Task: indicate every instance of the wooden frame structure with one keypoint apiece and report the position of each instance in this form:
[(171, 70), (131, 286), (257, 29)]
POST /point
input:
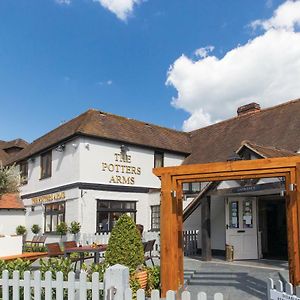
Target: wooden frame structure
[(172, 179)]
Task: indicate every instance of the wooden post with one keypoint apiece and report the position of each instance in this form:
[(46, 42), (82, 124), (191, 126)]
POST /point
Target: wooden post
[(292, 230), (169, 236), (205, 229)]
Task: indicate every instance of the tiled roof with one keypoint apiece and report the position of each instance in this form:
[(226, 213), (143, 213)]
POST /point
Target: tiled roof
[(112, 127), (19, 143), (3, 156), (8, 149), (276, 127), (11, 201)]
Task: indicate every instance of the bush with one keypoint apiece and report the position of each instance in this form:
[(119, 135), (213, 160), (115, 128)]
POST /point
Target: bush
[(125, 245), (35, 228), (62, 228), (9, 179), (74, 227), (21, 230)]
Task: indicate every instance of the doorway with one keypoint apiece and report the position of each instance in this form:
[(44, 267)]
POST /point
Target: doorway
[(241, 227), (272, 227)]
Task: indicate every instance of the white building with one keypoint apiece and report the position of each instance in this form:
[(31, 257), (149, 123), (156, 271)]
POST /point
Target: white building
[(98, 166), (94, 168)]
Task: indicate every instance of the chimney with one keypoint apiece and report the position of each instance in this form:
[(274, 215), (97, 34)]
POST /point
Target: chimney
[(248, 109)]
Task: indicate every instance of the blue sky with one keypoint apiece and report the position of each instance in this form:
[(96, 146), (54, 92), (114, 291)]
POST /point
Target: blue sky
[(59, 59)]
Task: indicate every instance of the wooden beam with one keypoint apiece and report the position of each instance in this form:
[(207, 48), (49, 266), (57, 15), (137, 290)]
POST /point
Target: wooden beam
[(169, 237), (292, 230), (206, 229), (229, 166)]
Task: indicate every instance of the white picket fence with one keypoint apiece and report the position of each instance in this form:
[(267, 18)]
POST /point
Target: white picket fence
[(114, 287), (278, 291)]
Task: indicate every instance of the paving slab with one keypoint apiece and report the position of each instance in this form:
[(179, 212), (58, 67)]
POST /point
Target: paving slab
[(237, 280)]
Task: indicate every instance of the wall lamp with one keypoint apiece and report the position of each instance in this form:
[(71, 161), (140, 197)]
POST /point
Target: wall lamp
[(60, 148), (124, 149)]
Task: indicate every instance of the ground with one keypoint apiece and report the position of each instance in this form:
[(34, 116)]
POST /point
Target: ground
[(237, 280)]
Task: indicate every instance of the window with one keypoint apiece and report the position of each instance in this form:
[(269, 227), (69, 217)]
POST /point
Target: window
[(108, 213), (24, 172), (54, 214), (46, 164), (158, 159), (155, 217)]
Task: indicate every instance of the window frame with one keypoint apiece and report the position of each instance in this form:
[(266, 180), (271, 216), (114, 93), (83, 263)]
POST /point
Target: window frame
[(43, 167), (162, 155), (24, 172), (156, 217), (52, 213), (110, 210)]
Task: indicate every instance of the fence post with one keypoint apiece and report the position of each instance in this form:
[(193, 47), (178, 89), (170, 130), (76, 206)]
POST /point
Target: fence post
[(116, 281)]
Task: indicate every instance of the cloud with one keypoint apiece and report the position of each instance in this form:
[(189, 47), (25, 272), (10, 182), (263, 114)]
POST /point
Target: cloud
[(67, 2), (203, 52), (121, 8), (107, 82), (266, 70)]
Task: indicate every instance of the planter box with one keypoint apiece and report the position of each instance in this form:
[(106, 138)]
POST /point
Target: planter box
[(10, 245)]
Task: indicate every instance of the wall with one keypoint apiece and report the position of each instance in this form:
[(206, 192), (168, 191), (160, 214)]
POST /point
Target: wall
[(10, 219), (10, 245), (98, 164), (65, 170)]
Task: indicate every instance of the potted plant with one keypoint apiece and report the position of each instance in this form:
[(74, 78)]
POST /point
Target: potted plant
[(35, 229), (62, 229), (21, 230), (125, 247), (74, 228)]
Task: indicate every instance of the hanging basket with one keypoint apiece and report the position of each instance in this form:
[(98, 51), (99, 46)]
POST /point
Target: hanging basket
[(142, 278)]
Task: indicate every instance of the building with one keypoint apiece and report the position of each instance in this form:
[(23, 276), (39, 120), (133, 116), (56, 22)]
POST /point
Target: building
[(98, 166), (9, 148)]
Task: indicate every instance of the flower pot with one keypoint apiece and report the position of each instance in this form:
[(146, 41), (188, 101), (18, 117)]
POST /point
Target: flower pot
[(142, 277)]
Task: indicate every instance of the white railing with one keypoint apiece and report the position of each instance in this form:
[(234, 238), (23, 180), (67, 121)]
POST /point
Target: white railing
[(282, 291), (114, 287)]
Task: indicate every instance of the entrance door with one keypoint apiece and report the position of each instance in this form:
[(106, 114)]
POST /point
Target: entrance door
[(241, 230)]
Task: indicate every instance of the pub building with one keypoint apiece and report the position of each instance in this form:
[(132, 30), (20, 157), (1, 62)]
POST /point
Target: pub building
[(98, 166)]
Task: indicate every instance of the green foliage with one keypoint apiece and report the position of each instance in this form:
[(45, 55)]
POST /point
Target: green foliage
[(125, 245), (74, 227), (62, 228), (35, 228), (9, 179), (21, 230), (19, 264), (34, 248), (153, 279), (54, 265)]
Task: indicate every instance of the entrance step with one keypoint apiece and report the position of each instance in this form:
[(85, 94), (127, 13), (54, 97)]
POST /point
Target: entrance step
[(187, 276)]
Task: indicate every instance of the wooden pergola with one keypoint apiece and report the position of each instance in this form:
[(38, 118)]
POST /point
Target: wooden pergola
[(171, 213)]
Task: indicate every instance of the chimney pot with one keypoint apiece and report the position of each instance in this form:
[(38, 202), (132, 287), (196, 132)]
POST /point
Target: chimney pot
[(248, 109)]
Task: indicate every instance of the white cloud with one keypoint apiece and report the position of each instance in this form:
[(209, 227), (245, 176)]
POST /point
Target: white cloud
[(107, 82), (265, 70), (121, 8), (67, 2), (203, 52)]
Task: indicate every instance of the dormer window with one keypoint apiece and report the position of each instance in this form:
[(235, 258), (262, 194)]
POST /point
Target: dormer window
[(24, 172), (46, 164)]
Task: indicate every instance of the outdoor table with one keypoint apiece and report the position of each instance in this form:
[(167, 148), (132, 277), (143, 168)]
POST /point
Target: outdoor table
[(83, 249)]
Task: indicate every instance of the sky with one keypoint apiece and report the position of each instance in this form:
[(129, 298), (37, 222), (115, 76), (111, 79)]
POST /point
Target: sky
[(180, 64)]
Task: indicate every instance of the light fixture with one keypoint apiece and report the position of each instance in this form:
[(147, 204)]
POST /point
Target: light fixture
[(32, 159), (75, 146), (87, 146), (124, 149), (60, 148)]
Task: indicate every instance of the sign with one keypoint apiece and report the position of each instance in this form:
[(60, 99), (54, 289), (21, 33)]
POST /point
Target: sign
[(49, 198), (123, 170)]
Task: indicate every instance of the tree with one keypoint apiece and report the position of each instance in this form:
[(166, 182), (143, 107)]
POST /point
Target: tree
[(9, 179)]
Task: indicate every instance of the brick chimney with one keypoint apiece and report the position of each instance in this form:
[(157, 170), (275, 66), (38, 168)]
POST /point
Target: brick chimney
[(248, 109)]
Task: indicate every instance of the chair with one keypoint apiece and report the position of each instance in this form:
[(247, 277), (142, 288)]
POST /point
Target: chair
[(148, 248), (54, 250), (28, 245)]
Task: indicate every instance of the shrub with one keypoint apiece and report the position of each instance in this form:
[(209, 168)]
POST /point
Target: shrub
[(21, 230), (9, 179), (74, 227), (35, 228), (62, 228), (125, 245)]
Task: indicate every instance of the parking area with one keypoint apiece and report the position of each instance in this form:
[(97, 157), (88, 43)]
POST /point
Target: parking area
[(236, 280)]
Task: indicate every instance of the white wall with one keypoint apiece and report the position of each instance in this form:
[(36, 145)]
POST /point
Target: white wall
[(10, 219), (97, 155), (65, 170), (11, 245)]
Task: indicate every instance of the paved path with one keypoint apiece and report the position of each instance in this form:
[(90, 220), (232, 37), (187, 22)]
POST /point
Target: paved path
[(243, 280)]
